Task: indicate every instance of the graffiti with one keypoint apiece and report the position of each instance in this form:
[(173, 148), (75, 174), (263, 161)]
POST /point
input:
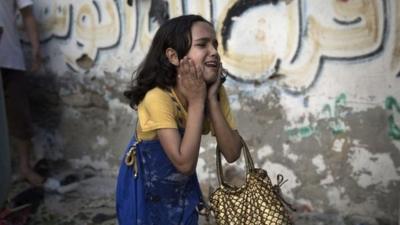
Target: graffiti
[(292, 38), (131, 27), (394, 129), (183, 7), (97, 27), (159, 11), (254, 30), (336, 125), (91, 26), (55, 20), (87, 26), (299, 133), (295, 39), (358, 38), (333, 114), (396, 50)]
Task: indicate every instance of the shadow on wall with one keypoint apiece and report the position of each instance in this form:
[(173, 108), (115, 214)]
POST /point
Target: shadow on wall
[(46, 110)]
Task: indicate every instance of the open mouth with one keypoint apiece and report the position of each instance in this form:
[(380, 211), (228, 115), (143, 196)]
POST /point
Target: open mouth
[(212, 64)]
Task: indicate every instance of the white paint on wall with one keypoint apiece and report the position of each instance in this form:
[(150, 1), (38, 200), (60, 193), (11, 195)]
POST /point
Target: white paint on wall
[(318, 161), (286, 148), (252, 28), (116, 104), (293, 157), (234, 102), (338, 144), (293, 106), (286, 152), (258, 93), (364, 88), (101, 141), (372, 169), (357, 142), (70, 112), (328, 179), (211, 145), (99, 164), (202, 150), (264, 151), (202, 169), (305, 204), (338, 198)]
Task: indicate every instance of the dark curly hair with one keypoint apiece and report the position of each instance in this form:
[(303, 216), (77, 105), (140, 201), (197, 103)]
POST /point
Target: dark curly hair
[(156, 70)]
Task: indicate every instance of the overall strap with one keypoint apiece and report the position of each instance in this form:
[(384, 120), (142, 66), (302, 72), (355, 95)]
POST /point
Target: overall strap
[(180, 121), (136, 130)]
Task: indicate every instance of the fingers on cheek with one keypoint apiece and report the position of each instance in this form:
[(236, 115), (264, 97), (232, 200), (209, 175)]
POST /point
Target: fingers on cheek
[(201, 72)]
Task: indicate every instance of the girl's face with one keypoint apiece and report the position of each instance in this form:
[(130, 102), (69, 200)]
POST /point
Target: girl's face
[(203, 51)]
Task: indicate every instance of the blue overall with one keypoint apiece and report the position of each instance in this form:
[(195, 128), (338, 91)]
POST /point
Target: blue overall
[(159, 194)]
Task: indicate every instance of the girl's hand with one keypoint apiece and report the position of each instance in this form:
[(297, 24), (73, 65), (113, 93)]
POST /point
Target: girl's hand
[(212, 92), (190, 81)]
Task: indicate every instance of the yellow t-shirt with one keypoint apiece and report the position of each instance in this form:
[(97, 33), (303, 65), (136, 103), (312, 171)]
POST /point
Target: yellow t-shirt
[(162, 109)]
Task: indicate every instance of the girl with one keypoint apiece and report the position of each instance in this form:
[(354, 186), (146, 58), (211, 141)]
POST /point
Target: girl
[(178, 95)]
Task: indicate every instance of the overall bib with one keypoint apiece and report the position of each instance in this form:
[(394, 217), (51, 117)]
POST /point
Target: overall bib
[(159, 194)]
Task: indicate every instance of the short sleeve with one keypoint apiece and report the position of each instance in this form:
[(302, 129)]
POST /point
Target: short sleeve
[(156, 111), (23, 3)]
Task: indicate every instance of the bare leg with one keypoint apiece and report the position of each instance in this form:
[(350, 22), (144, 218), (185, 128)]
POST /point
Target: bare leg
[(24, 147)]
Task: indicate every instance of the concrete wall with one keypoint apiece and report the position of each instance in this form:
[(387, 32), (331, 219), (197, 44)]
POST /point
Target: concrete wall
[(314, 85)]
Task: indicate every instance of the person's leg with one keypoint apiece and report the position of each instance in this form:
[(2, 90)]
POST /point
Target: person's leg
[(20, 122), (24, 148), (5, 169)]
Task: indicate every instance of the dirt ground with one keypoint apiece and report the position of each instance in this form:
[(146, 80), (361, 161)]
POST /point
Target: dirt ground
[(92, 202)]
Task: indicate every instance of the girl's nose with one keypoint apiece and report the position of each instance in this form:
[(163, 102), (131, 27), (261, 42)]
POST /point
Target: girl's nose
[(213, 51)]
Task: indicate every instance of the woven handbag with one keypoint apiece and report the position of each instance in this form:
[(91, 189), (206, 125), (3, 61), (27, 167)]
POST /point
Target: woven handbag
[(255, 202)]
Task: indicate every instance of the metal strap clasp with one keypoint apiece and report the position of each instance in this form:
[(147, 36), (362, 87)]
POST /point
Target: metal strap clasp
[(131, 160)]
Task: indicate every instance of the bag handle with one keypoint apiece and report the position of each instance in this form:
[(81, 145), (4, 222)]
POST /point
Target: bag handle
[(248, 162)]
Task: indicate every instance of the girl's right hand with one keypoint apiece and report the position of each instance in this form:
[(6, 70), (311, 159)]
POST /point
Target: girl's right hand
[(190, 81)]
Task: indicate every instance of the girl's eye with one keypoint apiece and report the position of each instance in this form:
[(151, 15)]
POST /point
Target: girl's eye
[(201, 45), (215, 44)]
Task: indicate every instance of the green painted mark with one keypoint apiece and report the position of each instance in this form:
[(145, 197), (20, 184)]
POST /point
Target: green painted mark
[(300, 132), (305, 131), (391, 103), (327, 110), (394, 130), (341, 100), (337, 127)]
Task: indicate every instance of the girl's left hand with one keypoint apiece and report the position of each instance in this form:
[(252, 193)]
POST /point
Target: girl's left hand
[(212, 91)]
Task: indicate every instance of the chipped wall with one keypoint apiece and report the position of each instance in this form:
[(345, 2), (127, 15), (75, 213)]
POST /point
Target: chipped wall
[(314, 86)]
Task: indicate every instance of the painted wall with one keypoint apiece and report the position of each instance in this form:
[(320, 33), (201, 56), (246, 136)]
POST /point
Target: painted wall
[(315, 87)]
